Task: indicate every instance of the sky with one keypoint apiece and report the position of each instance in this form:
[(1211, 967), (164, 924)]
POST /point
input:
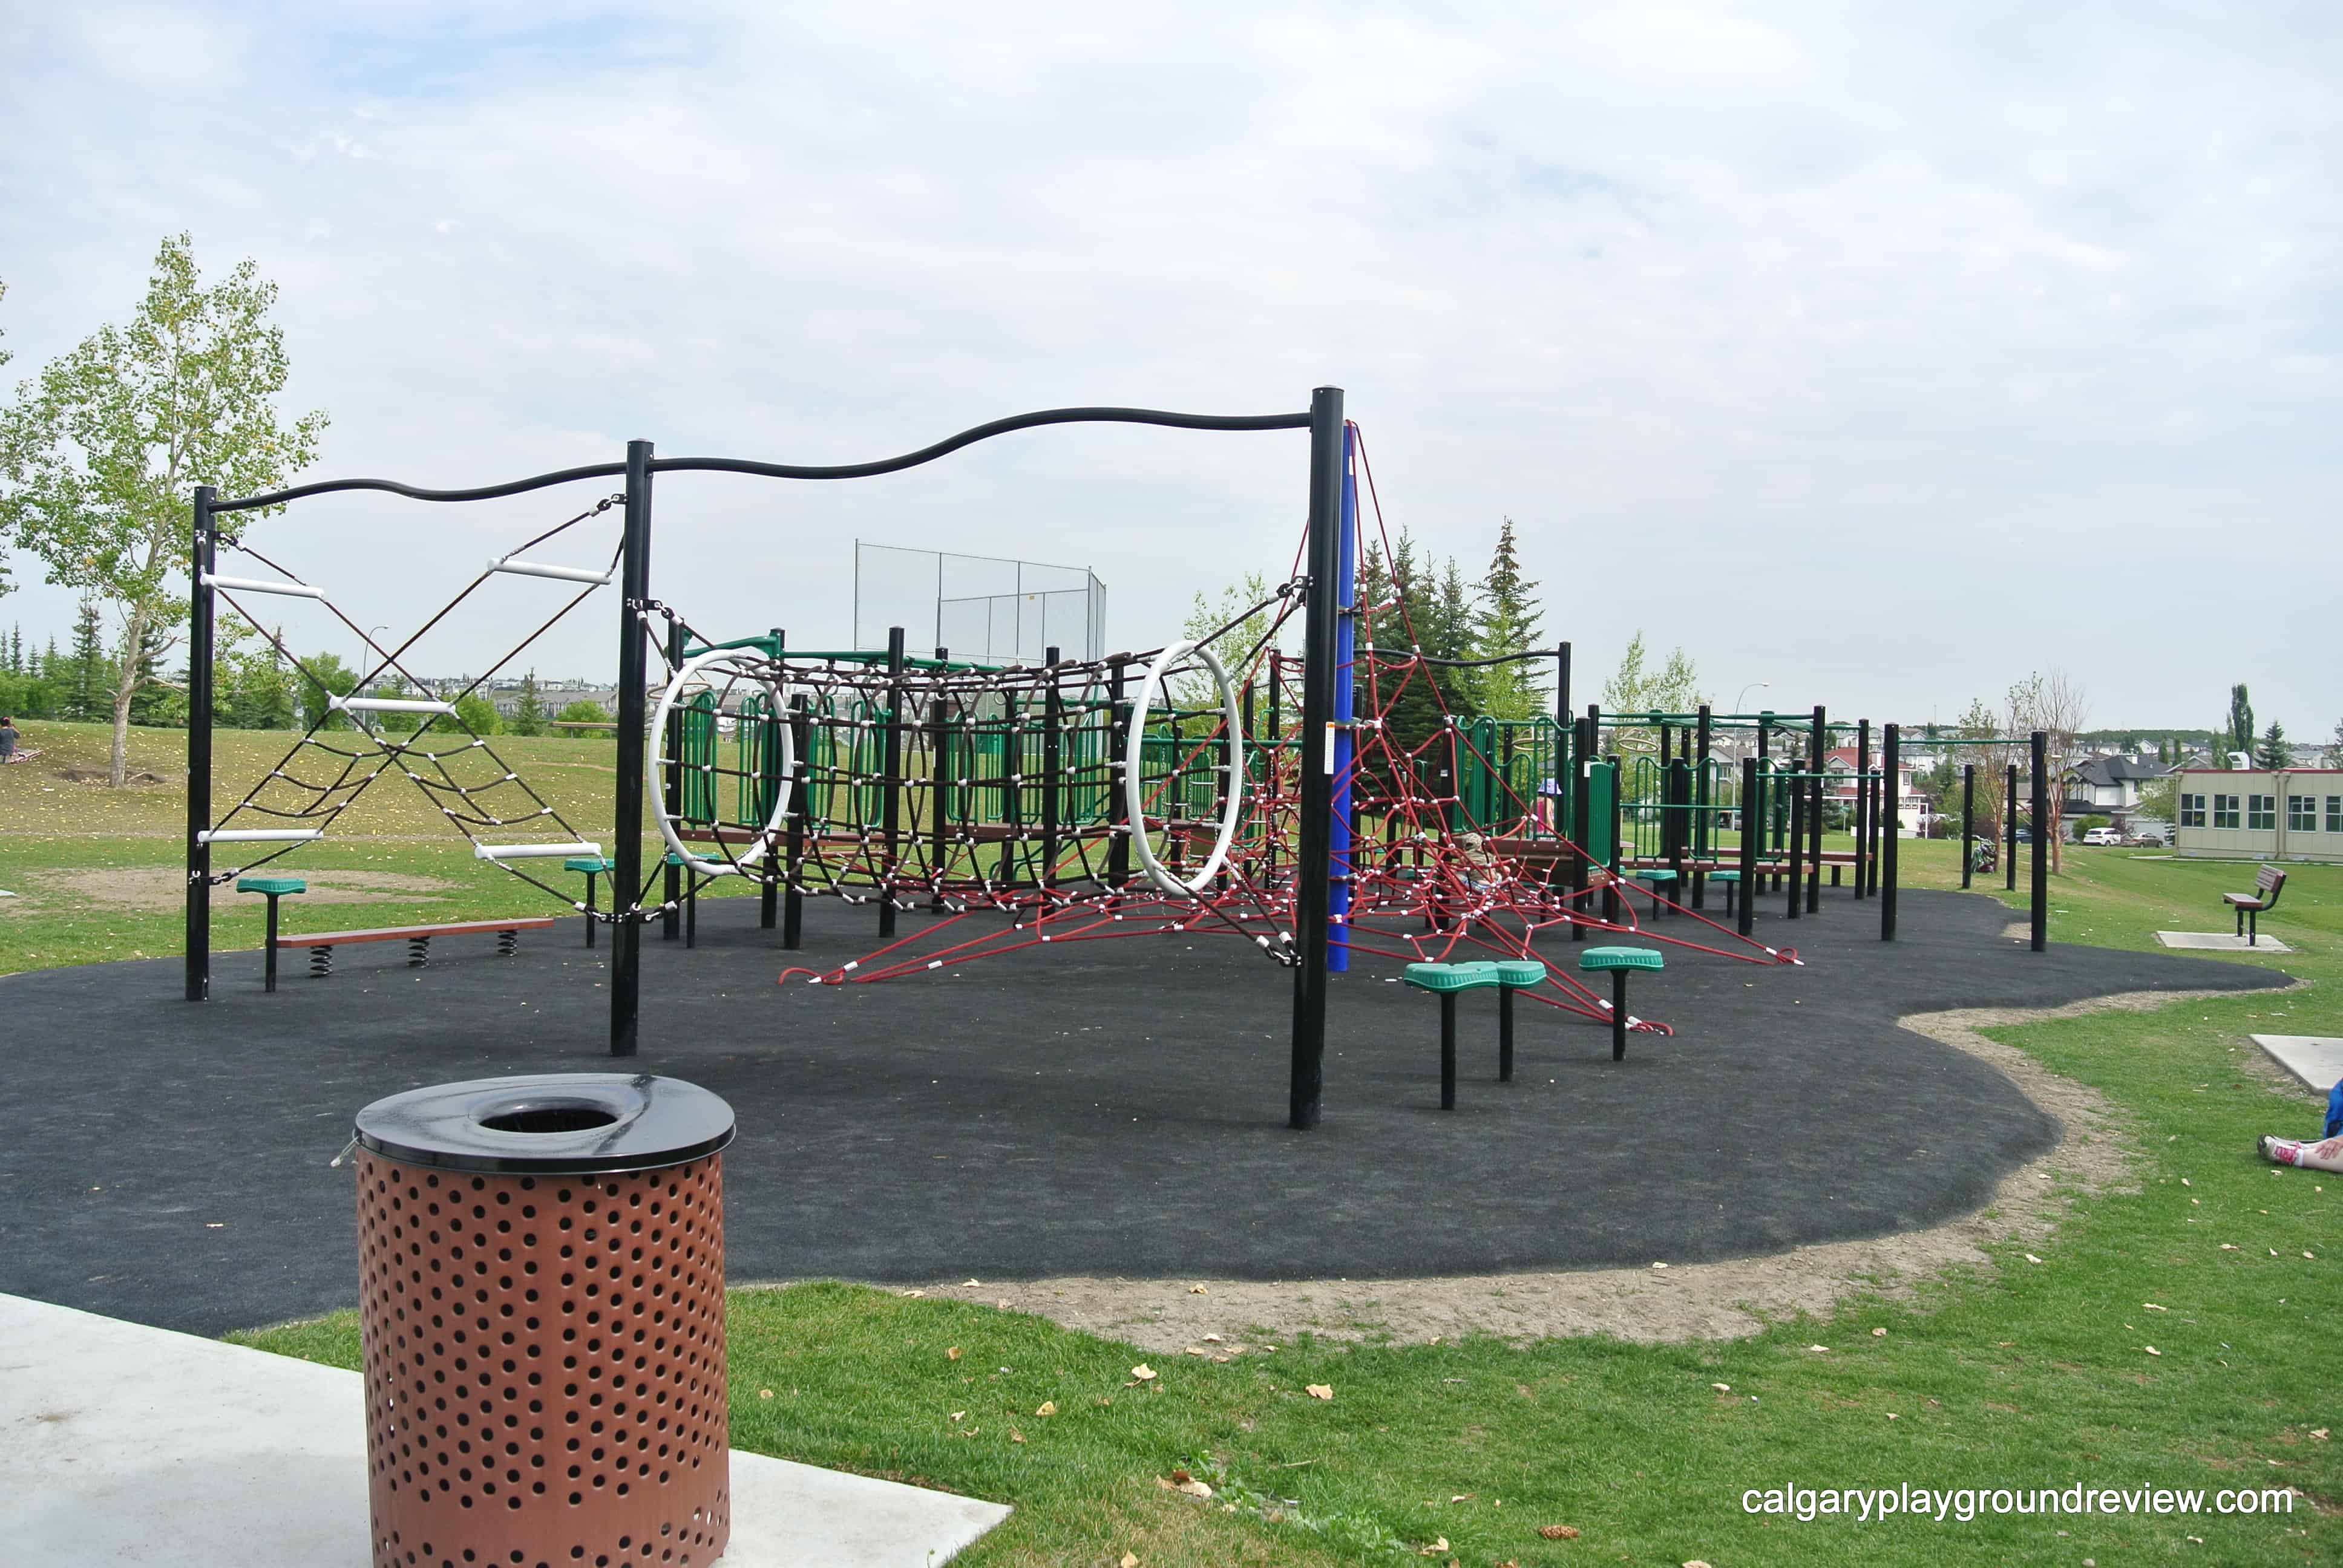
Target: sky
[(1881, 353)]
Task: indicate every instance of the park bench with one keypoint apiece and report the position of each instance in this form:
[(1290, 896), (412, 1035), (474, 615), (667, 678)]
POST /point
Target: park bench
[(2250, 907), (1446, 981), (321, 944)]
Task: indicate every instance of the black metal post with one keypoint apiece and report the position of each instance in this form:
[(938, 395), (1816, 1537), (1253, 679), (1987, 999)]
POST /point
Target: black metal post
[(1505, 1034), (1315, 857), (1615, 902), (634, 720), (801, 818), (1448, 1051), (1582, 831), (2009, 850), (769, 884), (1968, 823), (2041, 840), (890, 801), (938, 790), (1799, 791), (1054, 716), (1120, 828), (199, 750), (1891, 824), (1862, 806), (1705, 841), (1818, 751), (1748, 843), (672, 792), (1274, 744)]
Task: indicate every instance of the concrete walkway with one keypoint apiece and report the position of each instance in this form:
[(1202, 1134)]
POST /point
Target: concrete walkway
[(2316, 1059), (125, 1444)]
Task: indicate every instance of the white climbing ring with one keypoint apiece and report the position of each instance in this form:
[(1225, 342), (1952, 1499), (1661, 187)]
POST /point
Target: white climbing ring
[(744, 667), (1134, 799)]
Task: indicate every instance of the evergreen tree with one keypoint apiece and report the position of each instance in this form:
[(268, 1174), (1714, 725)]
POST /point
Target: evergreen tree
[(1507, 623), (155, 702), (2274, 752), (2241, 722), (90, 676), (529, 713)]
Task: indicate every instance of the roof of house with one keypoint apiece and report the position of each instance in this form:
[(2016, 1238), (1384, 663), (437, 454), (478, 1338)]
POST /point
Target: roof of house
[(2112, 770)]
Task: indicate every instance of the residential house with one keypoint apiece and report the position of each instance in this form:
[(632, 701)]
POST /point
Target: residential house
[(2108, 787), (1913, 811)]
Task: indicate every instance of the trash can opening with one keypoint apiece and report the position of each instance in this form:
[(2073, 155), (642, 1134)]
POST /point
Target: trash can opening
[(546, 1116)]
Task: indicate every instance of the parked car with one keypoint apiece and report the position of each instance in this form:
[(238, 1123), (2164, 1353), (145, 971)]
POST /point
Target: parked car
[(2148, 841), (2102, 836)]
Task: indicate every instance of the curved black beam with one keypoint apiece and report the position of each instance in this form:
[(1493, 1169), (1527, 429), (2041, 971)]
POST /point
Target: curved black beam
[(793, 470)]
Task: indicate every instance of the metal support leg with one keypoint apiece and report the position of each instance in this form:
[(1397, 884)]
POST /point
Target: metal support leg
[(272, 942), (1448, 1051), (1618, 1015), (591, 921), (1505, 1034)]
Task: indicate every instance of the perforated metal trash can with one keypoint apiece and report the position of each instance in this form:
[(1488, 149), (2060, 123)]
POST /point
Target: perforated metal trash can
[(542, 1313)]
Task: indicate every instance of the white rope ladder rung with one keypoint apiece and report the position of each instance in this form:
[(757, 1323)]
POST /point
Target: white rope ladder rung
[(516, 566)]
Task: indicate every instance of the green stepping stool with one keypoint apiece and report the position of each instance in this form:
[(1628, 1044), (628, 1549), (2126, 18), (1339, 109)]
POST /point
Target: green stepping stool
[(273, 888), (1732, 880), (1447, 982), (593, 866), (1659, 880), (1620, 962)]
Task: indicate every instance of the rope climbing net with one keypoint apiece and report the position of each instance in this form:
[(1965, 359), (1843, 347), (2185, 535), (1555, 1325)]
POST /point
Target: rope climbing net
[(352, 738)]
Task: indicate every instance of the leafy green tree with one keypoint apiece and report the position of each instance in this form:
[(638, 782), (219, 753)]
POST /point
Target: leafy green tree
[(396, 690), (2241, 723), (323, 675), (1635, 686), (478, 714), (585, 710), (1507, 622), (99, 452), (157, 701), (529, 713), (2274, 751), (1246, 634)]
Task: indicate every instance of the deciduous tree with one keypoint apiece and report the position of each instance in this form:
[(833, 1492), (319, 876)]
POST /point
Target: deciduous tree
[(100, 452)]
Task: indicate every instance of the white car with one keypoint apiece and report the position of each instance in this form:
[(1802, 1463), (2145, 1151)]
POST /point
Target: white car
[(2103, 836)]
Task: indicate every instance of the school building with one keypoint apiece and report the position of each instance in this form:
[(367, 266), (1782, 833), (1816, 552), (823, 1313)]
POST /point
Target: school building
[(2292, 814)]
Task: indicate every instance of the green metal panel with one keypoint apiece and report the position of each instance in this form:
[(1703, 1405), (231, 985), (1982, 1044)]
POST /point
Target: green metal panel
[(1602, 793)]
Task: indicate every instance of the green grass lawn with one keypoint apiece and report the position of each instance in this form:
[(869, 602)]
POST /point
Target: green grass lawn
[(2032, 1374)]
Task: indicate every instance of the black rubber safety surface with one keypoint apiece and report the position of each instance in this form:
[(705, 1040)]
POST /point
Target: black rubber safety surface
[(1106, 1107)]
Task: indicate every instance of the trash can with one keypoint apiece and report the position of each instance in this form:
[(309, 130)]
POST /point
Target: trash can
[(542, 1313)]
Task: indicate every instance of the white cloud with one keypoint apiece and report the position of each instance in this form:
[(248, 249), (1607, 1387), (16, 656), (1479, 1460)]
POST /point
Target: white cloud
[(1884, 357)]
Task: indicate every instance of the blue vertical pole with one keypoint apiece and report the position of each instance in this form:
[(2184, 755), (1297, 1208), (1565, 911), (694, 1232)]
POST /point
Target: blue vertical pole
[(1346, 601)]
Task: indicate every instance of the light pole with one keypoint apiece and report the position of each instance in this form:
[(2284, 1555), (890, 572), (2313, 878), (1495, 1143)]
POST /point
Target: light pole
[(1740, 744), (363, 666)]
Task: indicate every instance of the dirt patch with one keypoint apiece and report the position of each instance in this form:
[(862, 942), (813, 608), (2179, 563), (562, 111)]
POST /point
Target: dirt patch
[(164, 887), (1650, 1305)]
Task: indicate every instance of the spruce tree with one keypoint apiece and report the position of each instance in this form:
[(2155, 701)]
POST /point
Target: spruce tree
[(1507, 623), (2274, 752), (529, 713), (87, 692)]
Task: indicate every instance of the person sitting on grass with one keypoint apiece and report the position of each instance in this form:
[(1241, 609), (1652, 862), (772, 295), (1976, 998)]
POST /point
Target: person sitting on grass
[(7, 739), (2311, 1153)]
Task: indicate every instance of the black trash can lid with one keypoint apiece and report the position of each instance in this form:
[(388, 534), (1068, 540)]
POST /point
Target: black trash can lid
[(551, 1124)]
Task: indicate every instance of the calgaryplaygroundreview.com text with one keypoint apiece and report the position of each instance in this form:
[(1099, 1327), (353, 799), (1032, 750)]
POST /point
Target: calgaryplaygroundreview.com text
[(1961, 1504)]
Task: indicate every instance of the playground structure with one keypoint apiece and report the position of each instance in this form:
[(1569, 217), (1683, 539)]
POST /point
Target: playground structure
[(1223, 786)]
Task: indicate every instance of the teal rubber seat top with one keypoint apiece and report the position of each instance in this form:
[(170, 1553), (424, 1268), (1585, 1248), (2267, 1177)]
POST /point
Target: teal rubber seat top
[(1516, 974), (1725, 875), (588, 863), (271, 885), (1451, 977), (1621, 959), (1654, 874)]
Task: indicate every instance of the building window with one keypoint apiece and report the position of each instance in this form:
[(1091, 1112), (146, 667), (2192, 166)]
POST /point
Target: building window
[(2225, 811), (2261, 813), (2192, 809), (2302, 813), (2335, 813)]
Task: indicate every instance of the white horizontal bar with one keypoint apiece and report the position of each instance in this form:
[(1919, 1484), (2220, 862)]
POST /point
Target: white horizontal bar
[(390, 705), (254, 585), (538, 569), (259, 835), (533, 851)]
